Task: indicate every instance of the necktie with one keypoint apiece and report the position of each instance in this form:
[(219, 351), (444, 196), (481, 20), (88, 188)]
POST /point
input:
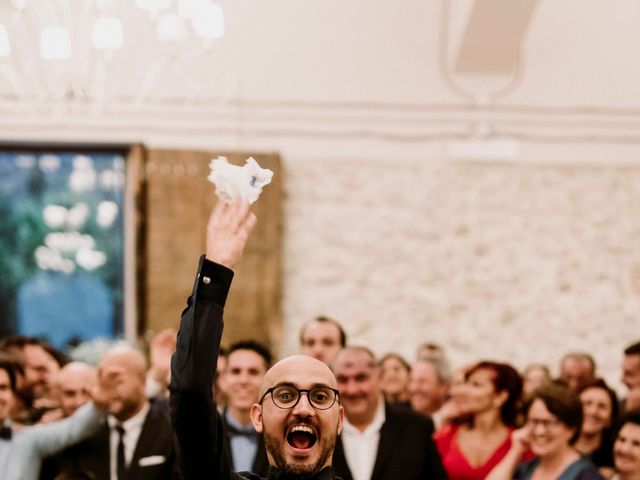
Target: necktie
[(120, 453), (5, 433)]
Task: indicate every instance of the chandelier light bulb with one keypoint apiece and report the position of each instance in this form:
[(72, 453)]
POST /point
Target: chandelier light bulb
[(210, 23), (103, 4), (78, 55), (192, 9), (108, 34), (19, 5), (153, 5), (5, 47), (171, 28), (55, 43)]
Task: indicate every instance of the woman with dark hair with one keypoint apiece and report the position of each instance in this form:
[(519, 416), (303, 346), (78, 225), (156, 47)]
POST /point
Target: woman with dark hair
[(600, 414), (394, 380), (471, 448), (554, 418), (626, 449)]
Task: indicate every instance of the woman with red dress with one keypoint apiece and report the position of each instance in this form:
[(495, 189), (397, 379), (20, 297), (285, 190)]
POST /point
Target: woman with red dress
[(471, 447)]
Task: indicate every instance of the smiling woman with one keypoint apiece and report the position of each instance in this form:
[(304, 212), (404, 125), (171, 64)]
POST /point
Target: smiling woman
[(626, 450), (554, 418), (600, 412), (471, 447)]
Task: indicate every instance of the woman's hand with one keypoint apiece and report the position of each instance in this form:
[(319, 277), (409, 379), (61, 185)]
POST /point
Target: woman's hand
[(521, 438)]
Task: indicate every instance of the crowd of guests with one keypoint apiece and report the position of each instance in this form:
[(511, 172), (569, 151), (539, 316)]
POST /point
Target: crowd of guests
[(409, 419)]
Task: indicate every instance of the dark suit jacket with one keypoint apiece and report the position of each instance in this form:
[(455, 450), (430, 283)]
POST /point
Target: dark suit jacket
[(406, 450), (155, 442), (260, 464), (196, 422)]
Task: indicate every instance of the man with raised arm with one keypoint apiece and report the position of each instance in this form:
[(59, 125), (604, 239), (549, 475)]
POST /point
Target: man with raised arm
[(299, 411), (22, 450)]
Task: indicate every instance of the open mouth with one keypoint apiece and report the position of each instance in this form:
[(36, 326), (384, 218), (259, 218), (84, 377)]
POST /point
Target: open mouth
[(302, 437)]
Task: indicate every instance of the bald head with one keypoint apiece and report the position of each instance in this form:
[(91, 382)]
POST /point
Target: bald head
[(296, 454), (73, 385), (298, 368), (129, 358), (130, 365), (350, 356), (76, 370)]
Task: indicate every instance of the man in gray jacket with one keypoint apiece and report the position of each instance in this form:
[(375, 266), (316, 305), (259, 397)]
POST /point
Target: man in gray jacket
[(23, 449)]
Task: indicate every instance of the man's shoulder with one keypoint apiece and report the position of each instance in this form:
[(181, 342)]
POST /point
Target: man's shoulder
[(402, 417), (397, 413), (159, 411)]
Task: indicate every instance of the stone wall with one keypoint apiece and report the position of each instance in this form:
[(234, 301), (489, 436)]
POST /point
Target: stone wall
[(513, 262)]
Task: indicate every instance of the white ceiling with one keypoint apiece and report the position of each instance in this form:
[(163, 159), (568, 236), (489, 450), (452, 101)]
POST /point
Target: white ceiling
[(377, 60)]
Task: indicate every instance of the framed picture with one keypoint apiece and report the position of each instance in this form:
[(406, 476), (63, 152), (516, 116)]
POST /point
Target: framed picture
[(69, 237)]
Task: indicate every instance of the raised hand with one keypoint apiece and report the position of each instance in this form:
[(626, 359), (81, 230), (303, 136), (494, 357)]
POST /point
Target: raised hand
[(104, 391), (161, 348), (521, 438), (228, 230)]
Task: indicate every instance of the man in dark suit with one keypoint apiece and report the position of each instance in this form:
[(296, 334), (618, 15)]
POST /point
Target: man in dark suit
[(379, 441), (299, 411), (247, 362), (136, 443)]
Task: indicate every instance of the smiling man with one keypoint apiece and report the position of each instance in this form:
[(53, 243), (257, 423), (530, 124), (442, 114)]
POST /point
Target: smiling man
[(298, 411), (322, 338), (22, 450), (247, 363), (380, 441)]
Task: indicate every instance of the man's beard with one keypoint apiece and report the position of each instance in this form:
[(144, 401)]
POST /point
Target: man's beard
[(296, 471)]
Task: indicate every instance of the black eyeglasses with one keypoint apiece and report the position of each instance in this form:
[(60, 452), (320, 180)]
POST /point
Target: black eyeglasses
[(286, 396)]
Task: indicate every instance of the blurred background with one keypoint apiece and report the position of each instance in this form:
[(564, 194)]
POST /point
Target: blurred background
[(464, 172)]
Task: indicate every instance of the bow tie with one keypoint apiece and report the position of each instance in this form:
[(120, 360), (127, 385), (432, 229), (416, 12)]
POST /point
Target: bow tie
[(5, 433), (234, 432)]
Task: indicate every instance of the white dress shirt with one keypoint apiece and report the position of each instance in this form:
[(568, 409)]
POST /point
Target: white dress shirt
[(132, 428), (361, 448)]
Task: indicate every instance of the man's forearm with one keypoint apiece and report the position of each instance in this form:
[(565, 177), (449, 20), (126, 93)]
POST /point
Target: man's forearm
[(54, 437), (193, 368), (194, 361)]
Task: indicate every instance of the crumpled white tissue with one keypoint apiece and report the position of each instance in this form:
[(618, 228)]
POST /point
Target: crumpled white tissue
[(233, 182)]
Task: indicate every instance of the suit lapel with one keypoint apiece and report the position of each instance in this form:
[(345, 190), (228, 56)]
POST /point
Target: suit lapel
[(389, 435), (146, 438), (101, 450), (340, 464), (260, 462)]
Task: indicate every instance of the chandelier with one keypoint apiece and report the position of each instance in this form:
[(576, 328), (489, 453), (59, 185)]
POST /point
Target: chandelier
[(66, 53)]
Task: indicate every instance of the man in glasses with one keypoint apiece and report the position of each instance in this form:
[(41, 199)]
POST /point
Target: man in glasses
[(299, 411)]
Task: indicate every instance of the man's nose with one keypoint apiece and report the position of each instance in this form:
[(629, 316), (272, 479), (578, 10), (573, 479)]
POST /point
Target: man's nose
[(346, 388), (303, 407)]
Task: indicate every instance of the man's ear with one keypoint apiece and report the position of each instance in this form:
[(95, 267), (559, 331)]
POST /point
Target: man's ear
[(222, 380), (256, 417), (340, 420)]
